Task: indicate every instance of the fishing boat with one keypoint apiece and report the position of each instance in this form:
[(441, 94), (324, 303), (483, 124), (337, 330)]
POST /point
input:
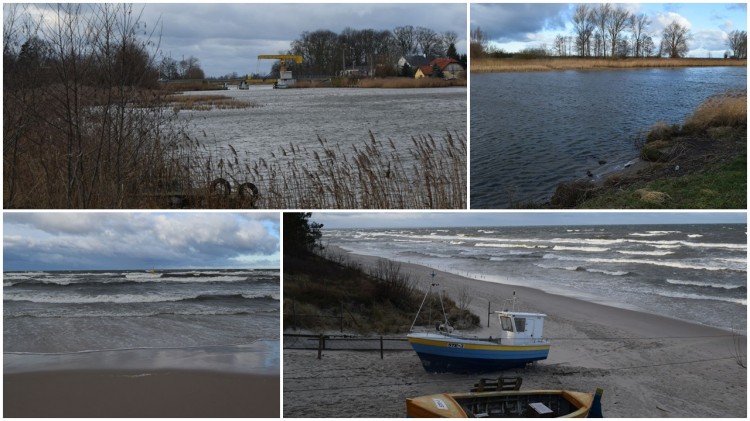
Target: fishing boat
[(507, 404), (519, 341)]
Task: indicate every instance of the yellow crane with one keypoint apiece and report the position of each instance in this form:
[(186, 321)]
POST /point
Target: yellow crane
[(285, 76)]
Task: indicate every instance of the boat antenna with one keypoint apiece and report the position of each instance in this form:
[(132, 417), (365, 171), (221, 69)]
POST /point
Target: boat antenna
[(422, 305), (445, 316)]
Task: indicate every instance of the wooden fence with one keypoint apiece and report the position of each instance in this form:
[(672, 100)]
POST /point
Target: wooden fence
[(345, 343)]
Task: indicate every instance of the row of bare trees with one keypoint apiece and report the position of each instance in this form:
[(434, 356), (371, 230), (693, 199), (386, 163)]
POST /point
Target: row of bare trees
[(608, 30), (327, 53)]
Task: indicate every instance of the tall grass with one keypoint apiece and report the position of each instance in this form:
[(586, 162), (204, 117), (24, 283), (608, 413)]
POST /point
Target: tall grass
[(425, 173), (728, 109), (485, 65), (392, 83)]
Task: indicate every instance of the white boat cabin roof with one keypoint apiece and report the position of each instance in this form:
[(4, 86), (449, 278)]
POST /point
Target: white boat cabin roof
[(520, 314)]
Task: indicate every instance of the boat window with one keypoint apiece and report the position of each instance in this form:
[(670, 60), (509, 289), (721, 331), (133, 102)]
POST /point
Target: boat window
[(520, 324), (506, 323)]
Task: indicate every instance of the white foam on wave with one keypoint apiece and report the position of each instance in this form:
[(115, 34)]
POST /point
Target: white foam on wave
[(689, 296), (136, 276), (514, 245), (645, 253), (653, 233), (586, 249), (695, 235), (702, 284), (666, 263)]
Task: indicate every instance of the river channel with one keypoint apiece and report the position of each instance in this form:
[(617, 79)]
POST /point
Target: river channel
[(342, 116), (531, 131)]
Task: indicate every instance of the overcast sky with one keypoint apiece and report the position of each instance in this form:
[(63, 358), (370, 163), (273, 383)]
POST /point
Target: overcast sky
[(229, 37), (485, 219), (513, 27), (138, 240)]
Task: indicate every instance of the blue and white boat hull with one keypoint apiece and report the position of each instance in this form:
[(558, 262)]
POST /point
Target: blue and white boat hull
[(444, 353)]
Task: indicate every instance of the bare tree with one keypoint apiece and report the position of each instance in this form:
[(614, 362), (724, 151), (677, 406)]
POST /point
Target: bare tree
[(601, 17), (617, 21), (405, 39), (639, 27), (737, 42), (429, 41), (478, 43), (583, 25), (675, 40)]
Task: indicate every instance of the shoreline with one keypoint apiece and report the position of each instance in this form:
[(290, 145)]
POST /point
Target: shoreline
[(140, 393), (648, 365), (258, 358)]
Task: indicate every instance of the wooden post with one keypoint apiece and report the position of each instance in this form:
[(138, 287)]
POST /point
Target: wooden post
[(341, 317), (488, 313), (294, 317), (320, 346), (381, 347)]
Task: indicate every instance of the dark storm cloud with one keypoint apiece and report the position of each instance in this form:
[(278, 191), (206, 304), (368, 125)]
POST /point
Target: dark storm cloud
[(514, 22), (139, 240)]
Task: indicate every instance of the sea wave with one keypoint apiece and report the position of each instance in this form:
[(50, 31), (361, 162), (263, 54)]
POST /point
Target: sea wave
[(645, 253), (704, 284), (587, 249), (653, 233), (515, 245), (690, 296), (36, 297), (665, 263)]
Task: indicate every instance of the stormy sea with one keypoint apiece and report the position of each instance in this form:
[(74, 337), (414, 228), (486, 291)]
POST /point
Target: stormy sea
[(225, 320), (690, 272)]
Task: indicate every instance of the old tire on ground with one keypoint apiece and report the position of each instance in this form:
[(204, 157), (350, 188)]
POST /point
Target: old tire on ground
[(248, 191), (221, 187)]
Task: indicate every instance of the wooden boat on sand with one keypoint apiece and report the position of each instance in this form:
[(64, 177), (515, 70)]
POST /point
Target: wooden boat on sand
[(507, 404), (519, 341)]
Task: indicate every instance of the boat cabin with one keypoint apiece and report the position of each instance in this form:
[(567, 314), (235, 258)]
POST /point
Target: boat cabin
[(521, 328)]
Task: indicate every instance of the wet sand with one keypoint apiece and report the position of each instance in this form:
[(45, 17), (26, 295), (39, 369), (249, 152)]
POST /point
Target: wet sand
[(648, 365), (140, 393)]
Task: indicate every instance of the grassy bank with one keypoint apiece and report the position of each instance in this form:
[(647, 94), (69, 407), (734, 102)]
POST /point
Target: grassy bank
[(320, 290), (699, 165), (488, 65)]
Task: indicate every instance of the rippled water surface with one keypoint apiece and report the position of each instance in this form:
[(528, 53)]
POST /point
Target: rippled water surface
[(341, 116), (531, 131)]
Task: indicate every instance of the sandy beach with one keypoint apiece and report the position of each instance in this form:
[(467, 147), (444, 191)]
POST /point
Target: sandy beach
[(144, 393), (648, 365)]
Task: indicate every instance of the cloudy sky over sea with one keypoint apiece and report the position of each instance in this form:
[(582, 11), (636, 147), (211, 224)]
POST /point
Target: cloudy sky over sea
[(138, 240), (335, 220), (514, 27), (228, 37)]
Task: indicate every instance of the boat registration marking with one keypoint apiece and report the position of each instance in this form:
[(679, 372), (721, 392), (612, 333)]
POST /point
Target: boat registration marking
[(452, 345), (439, 403)]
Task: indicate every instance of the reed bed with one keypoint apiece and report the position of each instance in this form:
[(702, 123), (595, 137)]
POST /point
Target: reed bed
[(487, 65), (426, 173), (206, 102), (728, 109), (404, 83), (392, 83)]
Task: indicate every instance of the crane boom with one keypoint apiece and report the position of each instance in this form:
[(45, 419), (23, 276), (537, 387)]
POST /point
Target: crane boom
[(284, 57)]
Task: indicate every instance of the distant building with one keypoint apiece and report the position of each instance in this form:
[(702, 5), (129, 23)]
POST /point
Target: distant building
[(414, 62), (450, 68)]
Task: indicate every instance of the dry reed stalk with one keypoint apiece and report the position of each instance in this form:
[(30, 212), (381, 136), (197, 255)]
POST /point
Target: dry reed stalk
[(725, 110)]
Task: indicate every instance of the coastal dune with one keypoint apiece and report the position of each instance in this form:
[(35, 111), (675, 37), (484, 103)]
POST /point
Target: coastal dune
[(648, 365)]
